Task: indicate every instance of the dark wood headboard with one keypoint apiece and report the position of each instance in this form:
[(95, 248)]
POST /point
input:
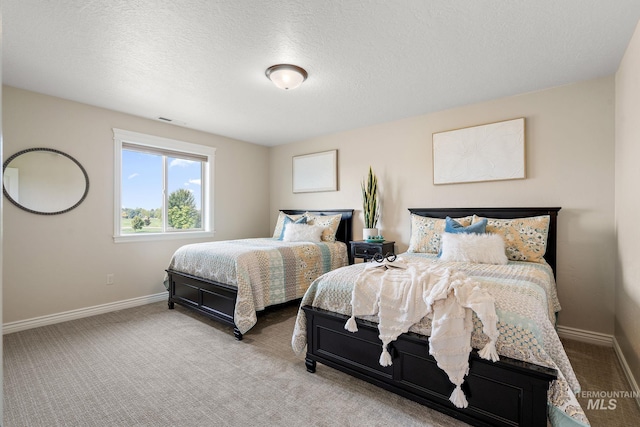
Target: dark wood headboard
[(345, 229), (503, 213)]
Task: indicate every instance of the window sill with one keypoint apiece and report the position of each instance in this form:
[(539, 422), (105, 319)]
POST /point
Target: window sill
[(147, 237)]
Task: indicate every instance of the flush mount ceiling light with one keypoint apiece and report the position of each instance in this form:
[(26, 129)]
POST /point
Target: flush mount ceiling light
[(286, 76)]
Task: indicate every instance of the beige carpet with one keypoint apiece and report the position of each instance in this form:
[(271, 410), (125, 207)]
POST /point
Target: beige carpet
[(150, 366), (598, 370)]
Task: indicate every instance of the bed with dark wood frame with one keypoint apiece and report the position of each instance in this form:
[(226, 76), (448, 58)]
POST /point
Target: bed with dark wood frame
[(217, 300), (505, 393)]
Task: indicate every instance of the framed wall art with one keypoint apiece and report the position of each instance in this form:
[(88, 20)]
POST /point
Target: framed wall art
[(490, 152), (315, 172)]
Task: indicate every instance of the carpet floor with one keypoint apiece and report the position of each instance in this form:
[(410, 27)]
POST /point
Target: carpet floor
[(150, 366)]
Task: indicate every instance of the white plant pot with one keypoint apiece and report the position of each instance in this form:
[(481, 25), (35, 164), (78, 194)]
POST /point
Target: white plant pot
[(368, 233)]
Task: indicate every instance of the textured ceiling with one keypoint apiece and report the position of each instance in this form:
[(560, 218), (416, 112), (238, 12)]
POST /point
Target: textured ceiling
[(202, 62)]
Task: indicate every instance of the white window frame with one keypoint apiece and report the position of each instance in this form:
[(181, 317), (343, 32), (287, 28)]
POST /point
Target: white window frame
[(120, 136)]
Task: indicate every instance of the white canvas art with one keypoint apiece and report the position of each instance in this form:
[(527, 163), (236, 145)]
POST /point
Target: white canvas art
[(315, 172), (488, 152)]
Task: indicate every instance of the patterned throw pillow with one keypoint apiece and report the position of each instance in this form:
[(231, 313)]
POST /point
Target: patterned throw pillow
[(426, 232), (525, 239), (329, 222), (277, 232)]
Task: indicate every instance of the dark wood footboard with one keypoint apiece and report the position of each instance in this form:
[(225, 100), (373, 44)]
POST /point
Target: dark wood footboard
[(212, 299), (504, 393)]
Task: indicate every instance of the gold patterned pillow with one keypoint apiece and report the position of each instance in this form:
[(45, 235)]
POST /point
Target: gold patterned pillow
[(525, 239), (329, 222), (426, 232), (277, 232)]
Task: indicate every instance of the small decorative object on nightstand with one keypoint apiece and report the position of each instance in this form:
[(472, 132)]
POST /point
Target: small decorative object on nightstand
[(366, 250)]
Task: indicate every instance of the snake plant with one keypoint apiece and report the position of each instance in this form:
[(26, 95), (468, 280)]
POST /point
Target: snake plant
[(370, 203)]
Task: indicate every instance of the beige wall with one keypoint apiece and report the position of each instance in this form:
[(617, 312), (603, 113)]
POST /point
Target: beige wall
[(58, 263), (570, 163), (627, 205)]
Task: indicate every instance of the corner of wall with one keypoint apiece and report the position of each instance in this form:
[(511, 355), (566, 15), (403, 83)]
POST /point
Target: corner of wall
[(626, 203)]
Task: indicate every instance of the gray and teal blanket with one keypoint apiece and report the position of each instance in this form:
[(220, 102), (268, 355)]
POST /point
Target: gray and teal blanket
[(266, 271)]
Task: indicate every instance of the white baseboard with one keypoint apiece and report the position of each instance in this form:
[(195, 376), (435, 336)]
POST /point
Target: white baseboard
[(627, 370), (589, 337), (21, 325)]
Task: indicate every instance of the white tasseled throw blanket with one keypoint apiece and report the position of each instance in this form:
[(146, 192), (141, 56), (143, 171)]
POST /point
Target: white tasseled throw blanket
[(403, 295)]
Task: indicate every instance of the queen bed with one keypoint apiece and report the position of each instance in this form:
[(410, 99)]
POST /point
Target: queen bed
[(230, 281), (532, 384)]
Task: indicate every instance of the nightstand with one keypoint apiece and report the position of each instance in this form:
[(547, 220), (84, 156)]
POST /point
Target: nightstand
[(365, 250)]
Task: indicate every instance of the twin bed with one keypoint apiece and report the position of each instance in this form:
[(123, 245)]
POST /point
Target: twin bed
[(533, 382), (230, 281)]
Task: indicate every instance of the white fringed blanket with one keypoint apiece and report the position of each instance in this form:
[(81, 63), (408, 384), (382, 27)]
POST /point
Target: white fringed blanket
[(402, 296)]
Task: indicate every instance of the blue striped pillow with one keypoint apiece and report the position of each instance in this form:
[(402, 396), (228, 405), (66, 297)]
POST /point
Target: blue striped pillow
[(453, 226), (288, 220)]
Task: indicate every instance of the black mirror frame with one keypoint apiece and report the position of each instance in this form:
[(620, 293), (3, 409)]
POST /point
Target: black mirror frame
[(51, 150)]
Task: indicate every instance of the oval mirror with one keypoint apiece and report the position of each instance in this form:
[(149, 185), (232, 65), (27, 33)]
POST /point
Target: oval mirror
[(44, 181)]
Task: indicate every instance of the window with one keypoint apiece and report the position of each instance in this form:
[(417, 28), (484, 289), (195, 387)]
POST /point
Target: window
[(163, 188)]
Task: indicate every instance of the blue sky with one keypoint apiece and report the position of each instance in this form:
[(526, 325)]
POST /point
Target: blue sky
[(142, 179)]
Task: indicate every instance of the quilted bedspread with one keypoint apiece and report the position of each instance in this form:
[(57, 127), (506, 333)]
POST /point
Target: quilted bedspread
[(526, 304), (265, 271)]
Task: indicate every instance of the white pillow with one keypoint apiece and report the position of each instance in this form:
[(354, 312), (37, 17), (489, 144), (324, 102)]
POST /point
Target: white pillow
[(302, 233), (277, 232), (487, 248)]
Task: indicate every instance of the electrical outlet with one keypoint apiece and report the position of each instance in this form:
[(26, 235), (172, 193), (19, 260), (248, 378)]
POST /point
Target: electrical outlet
[(110, 279)]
